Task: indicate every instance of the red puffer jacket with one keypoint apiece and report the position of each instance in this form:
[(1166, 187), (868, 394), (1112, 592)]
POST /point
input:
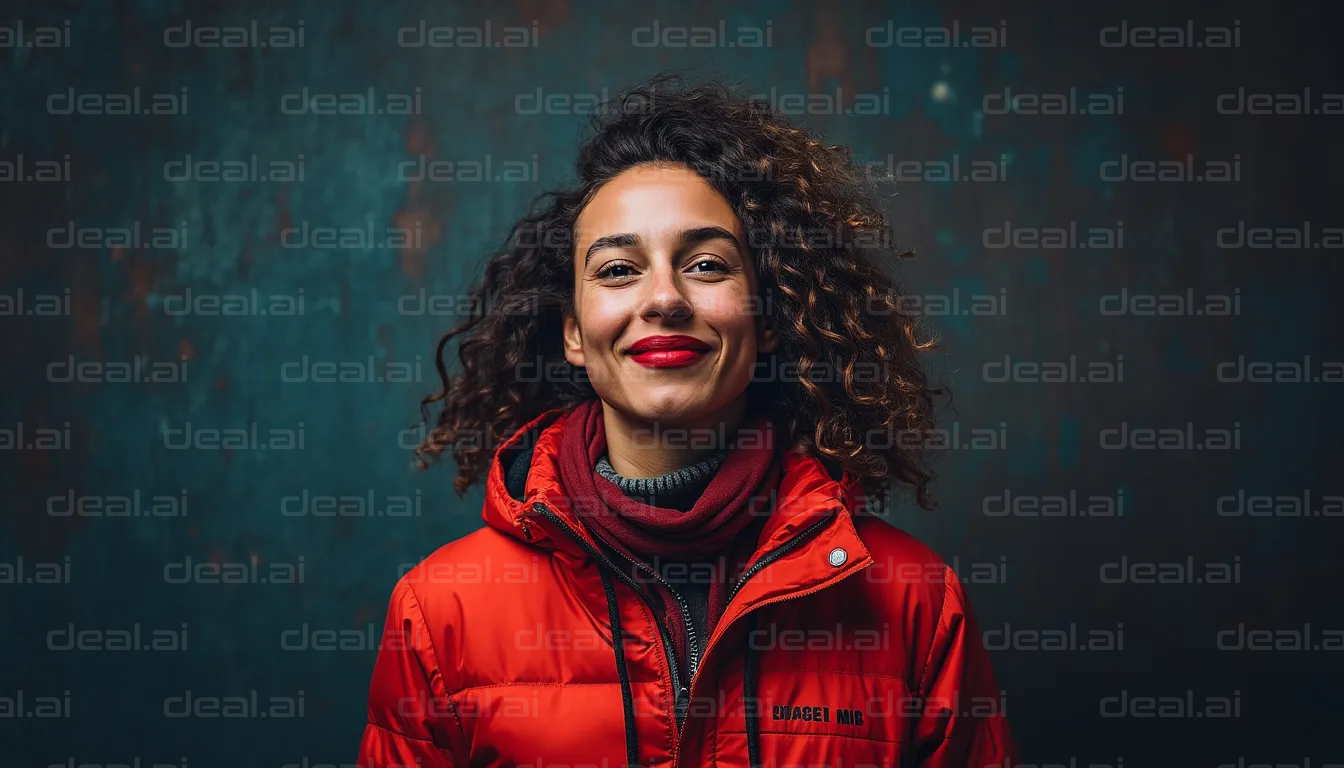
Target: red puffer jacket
[(845, 643)]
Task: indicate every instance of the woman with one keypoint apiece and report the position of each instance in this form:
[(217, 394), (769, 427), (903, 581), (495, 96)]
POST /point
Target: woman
[(683, 381)]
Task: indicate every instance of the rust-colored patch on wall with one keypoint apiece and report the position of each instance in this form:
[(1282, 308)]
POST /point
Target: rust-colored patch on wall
[(416, 215), (549, 14), (828, 57)]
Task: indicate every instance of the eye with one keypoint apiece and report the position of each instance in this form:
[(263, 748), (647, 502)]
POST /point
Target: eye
[(706, 264), (615, 271)]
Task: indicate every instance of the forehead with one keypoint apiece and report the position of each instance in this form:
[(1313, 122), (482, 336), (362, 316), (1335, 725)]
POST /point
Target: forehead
[(654, 201)]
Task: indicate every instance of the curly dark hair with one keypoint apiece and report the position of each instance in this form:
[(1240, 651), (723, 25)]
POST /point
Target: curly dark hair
[(820, 246)]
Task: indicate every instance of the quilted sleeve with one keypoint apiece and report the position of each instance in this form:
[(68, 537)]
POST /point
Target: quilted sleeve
[(962, 722), (408, 708)]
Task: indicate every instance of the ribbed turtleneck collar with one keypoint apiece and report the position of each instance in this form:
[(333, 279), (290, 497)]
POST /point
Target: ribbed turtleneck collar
[(674, 490)]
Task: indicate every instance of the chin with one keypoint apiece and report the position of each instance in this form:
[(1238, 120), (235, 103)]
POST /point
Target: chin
[(682, 404), (671, 406)]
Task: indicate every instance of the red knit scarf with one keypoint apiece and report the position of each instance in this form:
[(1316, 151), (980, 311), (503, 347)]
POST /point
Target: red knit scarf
[(720, 529), (738, 494)]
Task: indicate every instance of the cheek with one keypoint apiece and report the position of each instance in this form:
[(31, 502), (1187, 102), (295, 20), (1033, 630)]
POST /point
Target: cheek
[(733, 300), (735, 324), (601, 321)]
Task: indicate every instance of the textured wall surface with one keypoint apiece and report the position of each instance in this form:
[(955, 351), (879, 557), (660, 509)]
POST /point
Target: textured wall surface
[(80, 304)]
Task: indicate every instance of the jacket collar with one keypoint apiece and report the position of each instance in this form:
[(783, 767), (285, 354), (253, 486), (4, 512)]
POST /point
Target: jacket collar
[(806, 493)]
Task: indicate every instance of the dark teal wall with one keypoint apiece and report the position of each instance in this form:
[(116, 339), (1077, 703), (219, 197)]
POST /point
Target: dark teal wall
[(115, 305)]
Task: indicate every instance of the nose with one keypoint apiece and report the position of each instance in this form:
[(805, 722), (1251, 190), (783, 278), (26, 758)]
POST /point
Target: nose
[(666, 299)]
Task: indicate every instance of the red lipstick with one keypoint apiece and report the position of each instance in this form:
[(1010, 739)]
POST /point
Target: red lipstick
[(668, 351)]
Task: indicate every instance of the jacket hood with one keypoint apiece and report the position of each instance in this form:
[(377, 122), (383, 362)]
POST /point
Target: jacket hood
[(807, 490)]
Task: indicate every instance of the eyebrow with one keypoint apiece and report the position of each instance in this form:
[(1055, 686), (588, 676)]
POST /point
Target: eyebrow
[(684, 238)]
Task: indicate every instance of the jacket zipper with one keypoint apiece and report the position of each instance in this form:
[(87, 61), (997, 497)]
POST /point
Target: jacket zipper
[(679, 702), (775, 554), (692, 643)]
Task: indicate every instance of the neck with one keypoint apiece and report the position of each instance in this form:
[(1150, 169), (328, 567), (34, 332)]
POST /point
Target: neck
[(639, 449)]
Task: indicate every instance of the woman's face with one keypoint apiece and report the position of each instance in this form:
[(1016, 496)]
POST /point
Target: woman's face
[(667, 324)]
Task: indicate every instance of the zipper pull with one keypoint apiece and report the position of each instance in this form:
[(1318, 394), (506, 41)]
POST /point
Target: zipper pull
[(683, 704)]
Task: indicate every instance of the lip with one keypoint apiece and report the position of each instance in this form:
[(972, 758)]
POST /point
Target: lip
[(667, 342), (668, 351)]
